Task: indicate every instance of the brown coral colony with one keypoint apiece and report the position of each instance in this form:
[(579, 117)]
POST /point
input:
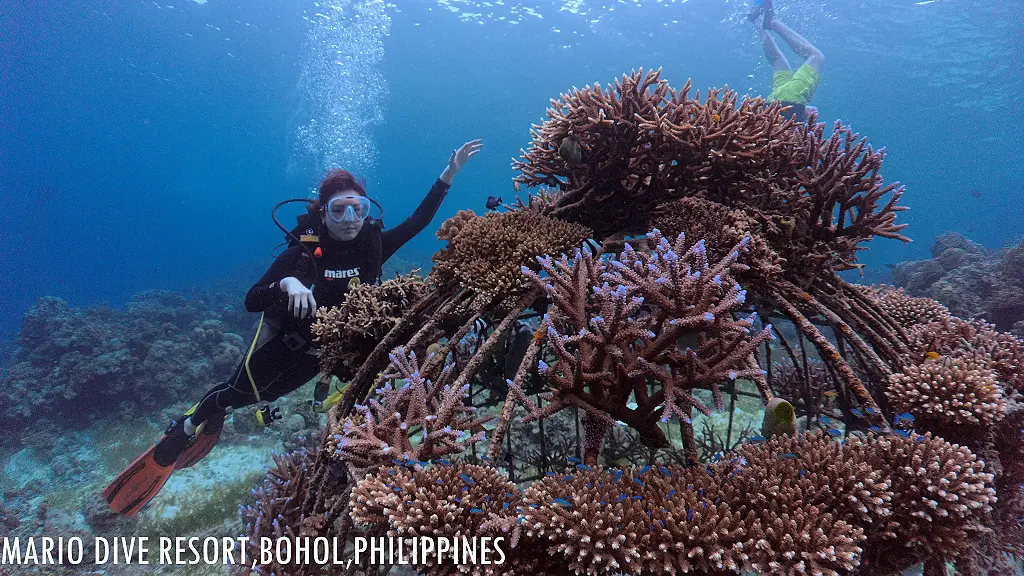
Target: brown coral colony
[(684, 244)]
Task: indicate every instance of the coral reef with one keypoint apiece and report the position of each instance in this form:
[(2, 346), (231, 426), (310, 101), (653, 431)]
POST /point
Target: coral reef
[(809, 505), (70, 361), (678, 248), (345, 334), (487, 251), (971, 280)]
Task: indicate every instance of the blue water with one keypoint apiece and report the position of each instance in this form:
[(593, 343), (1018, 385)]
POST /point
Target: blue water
[(143, 143)]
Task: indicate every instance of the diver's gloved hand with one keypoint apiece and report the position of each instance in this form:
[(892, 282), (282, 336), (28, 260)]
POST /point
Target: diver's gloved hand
[(459, 159), (300, 299)]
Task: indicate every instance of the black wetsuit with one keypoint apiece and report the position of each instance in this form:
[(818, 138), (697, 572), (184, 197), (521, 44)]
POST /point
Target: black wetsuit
[(284, 357)]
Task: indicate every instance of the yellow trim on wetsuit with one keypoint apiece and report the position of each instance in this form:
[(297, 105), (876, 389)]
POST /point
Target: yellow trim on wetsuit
[(248, 355)]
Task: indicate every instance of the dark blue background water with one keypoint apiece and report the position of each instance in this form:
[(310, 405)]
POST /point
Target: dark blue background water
[(142, 144)]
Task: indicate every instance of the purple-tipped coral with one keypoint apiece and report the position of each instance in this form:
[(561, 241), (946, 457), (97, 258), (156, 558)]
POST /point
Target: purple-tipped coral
[(665, 317)]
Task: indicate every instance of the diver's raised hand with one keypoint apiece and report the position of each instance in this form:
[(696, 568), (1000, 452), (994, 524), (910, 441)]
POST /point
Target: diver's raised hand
[(459, 158), (300, 299)]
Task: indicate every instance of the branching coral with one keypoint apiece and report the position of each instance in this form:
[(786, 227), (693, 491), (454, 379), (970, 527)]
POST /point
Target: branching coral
[(347, 333), (633, 325), (487, 251), (417, 420), (450, 228), (788, 506), (277, 512), (953, 392), (615, 327), (907, 310), (808, 198)]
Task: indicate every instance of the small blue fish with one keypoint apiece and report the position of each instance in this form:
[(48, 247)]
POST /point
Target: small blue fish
[(583, 467), (467, 478), (906, 417), (618, 474), (638, 481), (550, 474), (662, 522), (856, 412), (689, 515), (835, 433), (758, 439), (903, 433), (874, 429), (438, 481), (871, 410), (664, 471), (459, 500), (486, 459), (445, 462), (476, 511), (505, 505), (637, 497), (573, 460), (671, 493), (567, 478), (789, 456), (803, 472), (563, 502), (827, 421), (621, 497), (920, 438), (397, 488), (643, 470)]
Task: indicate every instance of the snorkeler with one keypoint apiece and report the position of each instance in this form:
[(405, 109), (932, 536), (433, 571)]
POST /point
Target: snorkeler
[(794, 89), (350, 248)]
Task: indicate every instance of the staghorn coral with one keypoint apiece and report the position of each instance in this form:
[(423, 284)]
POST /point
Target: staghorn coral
[(646, 144), (614, 328), (487, 252), (277, 511), (347, 333), (808, 198), (806, 391), (954, 392), (384, 428)]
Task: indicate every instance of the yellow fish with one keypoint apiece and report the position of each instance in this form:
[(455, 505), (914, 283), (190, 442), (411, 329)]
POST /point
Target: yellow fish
[(932, 355), (779, 419)]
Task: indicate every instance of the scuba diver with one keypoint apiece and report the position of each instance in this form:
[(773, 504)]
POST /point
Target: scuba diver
[(793, 89), (335, 246)]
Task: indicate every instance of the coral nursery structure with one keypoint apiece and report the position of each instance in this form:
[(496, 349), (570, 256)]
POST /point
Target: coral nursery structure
[(679, 249)]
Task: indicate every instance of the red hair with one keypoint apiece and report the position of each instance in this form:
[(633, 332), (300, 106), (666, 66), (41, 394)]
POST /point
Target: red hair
[(337, 180)]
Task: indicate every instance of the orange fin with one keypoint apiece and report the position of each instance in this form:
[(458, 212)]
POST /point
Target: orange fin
[(206, 439), (137, 484)]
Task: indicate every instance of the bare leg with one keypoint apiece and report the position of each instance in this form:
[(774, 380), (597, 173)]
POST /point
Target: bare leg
[(815, 59), (771, 50)]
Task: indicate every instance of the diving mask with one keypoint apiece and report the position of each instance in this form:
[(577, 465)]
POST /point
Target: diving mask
[(349, 208)]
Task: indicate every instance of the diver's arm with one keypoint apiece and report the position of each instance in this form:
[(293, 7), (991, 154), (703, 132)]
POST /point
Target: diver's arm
[(394, 238), (267, 290)]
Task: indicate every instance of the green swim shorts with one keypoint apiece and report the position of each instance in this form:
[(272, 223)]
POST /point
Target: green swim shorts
[(797, 87)]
